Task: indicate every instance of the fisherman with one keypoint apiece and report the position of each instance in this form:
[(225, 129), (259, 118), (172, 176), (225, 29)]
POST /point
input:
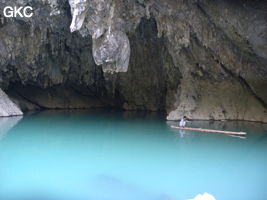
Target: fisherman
[(183, 121)]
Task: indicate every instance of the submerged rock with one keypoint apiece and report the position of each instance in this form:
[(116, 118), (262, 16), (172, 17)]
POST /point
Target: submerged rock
[(7, 107)]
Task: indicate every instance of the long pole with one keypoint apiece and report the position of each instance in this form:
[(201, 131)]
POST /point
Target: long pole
[(210, 130)]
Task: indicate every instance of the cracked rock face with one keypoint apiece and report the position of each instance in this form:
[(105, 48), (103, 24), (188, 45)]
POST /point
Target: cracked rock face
[(203, 59)]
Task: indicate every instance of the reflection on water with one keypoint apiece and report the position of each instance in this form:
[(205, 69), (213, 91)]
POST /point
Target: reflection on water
[(129, 156), (182, 133), (6, 123)]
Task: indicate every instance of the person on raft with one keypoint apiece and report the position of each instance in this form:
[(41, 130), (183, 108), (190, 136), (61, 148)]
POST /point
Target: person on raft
[(183, 121)]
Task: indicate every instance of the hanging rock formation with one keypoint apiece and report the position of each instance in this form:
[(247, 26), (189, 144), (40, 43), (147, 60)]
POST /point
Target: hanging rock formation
[(203, 59), (103, 20)]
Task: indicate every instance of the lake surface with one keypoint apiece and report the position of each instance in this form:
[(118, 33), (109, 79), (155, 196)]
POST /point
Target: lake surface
[(75, 155)]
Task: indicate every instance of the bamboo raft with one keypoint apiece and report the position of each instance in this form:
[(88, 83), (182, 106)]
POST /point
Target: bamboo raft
[(210, 130)]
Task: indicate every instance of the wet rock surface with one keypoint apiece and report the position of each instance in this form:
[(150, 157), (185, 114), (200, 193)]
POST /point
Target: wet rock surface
[(204, 59)]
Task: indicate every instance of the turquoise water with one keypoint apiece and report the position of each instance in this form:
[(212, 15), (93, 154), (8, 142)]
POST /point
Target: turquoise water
[(127, 156)]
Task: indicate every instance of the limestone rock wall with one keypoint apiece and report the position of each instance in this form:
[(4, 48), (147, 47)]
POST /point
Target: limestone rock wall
[(206, 59), (217, 49), (41, 51), (7, 107)]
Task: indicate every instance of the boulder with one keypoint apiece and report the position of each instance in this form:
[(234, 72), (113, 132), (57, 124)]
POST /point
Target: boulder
[(7, 107)]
